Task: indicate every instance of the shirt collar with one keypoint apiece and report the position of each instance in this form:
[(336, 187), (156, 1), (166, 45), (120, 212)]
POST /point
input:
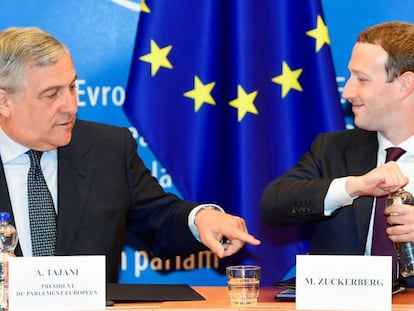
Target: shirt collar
[(10, 150), (407, 145)]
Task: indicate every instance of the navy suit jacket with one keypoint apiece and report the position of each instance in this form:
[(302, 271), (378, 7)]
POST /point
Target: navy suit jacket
[(104, 190), (298, 196)]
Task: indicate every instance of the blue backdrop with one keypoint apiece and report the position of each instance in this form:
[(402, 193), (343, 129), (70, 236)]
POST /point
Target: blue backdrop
[(101, 36)]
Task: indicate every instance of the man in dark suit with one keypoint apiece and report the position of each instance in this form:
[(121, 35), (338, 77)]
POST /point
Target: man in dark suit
[(335, 183), (99, 186)]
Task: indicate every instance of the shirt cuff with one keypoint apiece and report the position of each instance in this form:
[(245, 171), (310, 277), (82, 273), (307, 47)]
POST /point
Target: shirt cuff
[(193, 213), (337, 196)]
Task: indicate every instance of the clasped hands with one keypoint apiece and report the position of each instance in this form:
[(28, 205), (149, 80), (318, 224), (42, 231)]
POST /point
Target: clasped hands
[(213, 226), (381, 181)]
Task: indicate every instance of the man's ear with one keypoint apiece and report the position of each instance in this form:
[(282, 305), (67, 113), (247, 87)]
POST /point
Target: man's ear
[(4, 103), (407, 83)]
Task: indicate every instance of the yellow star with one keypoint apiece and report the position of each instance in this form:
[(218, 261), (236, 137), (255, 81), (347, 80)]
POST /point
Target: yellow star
[(244, 103), (288, 79), (320, 33), (157, 58), (201, 93), (144, 7)]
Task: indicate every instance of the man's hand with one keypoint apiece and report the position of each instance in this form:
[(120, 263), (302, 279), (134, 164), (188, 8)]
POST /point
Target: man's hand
[(380, 181), (215, 226), (401, 221)]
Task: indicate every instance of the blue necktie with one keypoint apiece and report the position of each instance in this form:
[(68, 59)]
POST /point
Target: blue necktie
[(42, 212)]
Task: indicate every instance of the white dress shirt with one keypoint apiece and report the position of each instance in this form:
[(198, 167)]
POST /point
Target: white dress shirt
[(337, 196), (16, 165)]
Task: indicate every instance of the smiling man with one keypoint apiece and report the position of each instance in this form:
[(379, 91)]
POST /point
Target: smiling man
[(336, 183)]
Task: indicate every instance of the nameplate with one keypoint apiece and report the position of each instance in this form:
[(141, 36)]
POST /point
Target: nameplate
[(343, 282), (57, 283)]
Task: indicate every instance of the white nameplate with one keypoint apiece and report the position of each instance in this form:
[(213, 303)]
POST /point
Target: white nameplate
[(343, 282), (57, 283)]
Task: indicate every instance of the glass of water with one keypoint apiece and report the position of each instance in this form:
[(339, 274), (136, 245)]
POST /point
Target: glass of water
[(243, 283)]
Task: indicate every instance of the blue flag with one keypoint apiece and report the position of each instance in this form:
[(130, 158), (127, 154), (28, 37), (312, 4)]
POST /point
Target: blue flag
[(229, 95)]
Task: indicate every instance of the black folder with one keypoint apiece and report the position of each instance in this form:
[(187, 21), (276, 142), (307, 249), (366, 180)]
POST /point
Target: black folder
[(150, 292), (289, 293)]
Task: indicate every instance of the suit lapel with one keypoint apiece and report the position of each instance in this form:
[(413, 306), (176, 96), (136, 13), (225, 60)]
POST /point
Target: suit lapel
[(74, 179), (362, 156), (360, 160)]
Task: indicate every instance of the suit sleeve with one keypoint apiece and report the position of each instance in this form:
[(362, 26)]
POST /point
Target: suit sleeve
[(298, 195), (157, 218)]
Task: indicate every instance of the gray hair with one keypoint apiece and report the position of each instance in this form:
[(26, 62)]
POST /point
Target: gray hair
[(21, 47)]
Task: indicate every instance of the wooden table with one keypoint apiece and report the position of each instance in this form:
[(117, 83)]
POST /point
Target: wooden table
[(217, 299)]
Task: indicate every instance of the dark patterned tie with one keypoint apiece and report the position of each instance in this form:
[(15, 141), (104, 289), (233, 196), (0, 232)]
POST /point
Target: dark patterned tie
[(42, 212), (381, 245)]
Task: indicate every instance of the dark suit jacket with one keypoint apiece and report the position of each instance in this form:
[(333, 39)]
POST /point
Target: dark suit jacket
[(104, 189), (298, 196)]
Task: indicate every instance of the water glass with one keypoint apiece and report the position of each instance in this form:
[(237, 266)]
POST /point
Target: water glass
[(243, 283)]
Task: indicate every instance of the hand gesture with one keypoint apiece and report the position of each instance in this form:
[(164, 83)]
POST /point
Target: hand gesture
[(223, 233)]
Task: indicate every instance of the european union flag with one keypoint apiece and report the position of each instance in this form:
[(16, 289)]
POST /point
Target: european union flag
[(229, 95)]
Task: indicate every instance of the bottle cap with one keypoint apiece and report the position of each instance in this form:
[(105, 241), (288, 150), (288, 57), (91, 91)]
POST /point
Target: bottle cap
[(4, 216)]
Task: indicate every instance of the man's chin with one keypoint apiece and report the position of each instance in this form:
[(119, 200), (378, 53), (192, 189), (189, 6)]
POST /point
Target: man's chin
[(63, 141), (66, 141)]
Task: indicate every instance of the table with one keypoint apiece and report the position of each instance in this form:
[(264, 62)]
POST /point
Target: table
[(217, 299)]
